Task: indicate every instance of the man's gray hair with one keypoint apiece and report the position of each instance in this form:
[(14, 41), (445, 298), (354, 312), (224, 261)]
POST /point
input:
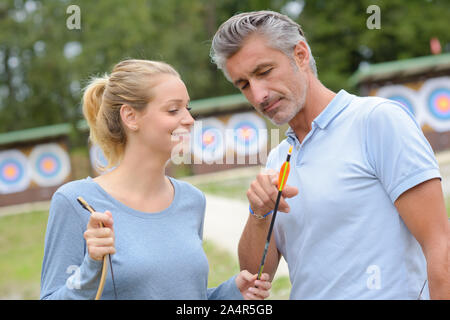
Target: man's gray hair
[(281, 32)]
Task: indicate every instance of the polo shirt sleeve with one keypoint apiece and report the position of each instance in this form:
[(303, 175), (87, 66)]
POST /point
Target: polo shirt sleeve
[(397, 150)]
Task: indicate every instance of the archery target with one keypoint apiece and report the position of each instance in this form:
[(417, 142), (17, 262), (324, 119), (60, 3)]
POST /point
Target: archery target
[(208, 139), (50, 164), (14, 172), (98, 159), (249, 133), (435, 96), (404, 95)]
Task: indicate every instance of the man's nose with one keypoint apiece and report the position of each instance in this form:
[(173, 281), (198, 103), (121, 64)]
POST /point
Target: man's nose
[(259, 91)]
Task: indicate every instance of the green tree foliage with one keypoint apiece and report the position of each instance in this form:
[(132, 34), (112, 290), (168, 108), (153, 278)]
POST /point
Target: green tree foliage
[(44, 65), (340, 39)]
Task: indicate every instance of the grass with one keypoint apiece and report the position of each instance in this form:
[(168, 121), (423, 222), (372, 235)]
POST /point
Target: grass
[(22, 249), (235, 189)]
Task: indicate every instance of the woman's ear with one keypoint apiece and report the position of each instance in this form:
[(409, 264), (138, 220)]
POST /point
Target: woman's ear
[(129, 117)]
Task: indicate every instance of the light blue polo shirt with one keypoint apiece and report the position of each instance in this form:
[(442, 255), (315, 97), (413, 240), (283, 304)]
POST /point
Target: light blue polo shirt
[(344, 238)]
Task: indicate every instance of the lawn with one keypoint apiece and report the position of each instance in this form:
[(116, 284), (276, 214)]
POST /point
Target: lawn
[(22, 248), (21, 252), (22, 244)]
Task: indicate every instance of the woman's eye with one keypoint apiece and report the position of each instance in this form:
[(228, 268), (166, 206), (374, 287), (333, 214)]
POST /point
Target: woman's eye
[(173, 111)]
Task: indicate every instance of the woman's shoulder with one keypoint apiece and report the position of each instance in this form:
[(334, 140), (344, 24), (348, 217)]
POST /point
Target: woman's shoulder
[(185, 186), (76, 187)]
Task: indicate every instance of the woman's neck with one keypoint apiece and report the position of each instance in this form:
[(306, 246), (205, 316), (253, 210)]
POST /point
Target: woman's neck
[(138, 173)]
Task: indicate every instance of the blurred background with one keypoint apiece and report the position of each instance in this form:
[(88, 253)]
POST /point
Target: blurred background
[(397, 49)]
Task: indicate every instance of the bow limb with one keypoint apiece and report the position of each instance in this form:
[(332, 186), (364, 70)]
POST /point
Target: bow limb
[(102, 279)]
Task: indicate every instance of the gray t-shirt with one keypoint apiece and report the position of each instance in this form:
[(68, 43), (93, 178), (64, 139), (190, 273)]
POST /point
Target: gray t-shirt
[(158, 255)]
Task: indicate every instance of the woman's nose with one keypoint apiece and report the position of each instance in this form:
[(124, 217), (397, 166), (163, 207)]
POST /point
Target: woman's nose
[(188, 120)]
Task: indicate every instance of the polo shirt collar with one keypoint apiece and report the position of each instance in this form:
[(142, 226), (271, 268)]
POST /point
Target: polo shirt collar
[(331, 111), (339, 103)]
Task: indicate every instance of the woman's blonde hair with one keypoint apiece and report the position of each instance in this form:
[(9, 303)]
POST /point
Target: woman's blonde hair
[(130, 82)]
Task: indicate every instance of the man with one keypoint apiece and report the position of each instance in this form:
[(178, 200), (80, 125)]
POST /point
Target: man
[(365, 216)]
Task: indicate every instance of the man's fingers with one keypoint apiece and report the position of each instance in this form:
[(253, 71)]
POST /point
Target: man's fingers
[(289, 191), (267, 198), (266, 183), (268, 172)]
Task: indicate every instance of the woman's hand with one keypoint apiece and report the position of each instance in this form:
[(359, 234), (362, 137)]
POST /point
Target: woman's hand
[(99, 235), (251, 288)]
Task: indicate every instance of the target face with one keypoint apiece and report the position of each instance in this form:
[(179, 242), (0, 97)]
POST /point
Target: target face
[(435, 96), (14, 172), (249, 133), (208, 139), (50, 164), (404, 95), (439, 103), (98, 160)]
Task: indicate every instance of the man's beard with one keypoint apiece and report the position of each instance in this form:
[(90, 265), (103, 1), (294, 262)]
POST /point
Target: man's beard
[(278, 118), (299, 104)]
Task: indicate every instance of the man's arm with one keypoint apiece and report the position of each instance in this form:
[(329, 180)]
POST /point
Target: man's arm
[(251, 247), (422, 208), (262, 196)]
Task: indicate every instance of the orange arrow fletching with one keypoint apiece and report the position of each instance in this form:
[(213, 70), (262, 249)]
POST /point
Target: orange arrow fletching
[(284, 172)]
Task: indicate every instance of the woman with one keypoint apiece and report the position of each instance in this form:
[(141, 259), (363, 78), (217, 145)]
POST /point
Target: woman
[(152, 224)]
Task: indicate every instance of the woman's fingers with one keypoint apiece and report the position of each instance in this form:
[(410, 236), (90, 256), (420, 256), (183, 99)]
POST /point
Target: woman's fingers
[(251, 288), (97, 253), (100, 242), (99, 219), (99, 235)]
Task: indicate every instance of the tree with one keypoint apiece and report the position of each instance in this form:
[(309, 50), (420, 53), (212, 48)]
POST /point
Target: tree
[(341, 41), (44, 63)]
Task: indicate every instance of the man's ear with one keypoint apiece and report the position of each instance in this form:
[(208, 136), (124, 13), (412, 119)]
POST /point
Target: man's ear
[(129, 117), (301, 54)]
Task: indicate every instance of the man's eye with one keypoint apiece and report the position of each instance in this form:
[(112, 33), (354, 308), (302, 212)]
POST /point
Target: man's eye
[(266, 72), (244, 86)]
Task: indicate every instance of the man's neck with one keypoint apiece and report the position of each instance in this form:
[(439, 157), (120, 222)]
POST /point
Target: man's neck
[(317, 99)]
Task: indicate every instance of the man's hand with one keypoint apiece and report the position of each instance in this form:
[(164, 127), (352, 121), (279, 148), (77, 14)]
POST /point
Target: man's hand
[(263, 192)]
